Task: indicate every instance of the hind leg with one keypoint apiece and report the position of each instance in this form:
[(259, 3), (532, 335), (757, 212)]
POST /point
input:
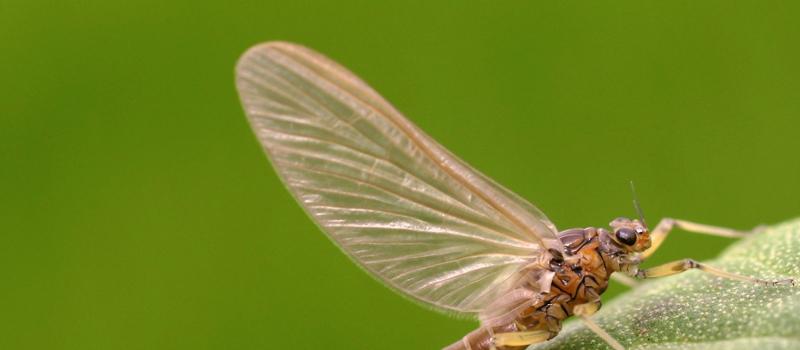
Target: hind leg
[(523, 338)]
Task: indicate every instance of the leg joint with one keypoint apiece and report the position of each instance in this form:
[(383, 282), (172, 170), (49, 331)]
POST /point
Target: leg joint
[(691, 264)]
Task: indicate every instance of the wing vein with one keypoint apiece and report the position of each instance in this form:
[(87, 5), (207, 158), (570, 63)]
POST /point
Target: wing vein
[(426, 149), (410, 218), (390, 192), (330, 114), (321, 106), (430, 266), (406, 172)]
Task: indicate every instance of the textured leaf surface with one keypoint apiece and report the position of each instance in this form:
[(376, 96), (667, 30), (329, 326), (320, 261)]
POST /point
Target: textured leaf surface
[(697, 311)]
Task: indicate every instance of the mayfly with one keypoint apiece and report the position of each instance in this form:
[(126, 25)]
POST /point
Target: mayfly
[(425, 223)]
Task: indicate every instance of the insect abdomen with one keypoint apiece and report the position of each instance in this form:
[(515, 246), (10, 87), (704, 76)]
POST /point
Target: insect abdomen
[(579, 278)]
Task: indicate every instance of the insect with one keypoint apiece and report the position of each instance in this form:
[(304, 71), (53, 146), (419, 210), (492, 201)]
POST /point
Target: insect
[(425, 223)]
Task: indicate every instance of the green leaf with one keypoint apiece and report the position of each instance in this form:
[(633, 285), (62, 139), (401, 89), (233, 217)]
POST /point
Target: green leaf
[(695, 310)]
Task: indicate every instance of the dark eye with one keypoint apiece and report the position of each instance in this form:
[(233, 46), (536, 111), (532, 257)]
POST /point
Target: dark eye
[(626, 235)]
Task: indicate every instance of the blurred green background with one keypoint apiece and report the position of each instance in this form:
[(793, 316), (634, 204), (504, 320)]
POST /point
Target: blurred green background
[(138, 211)]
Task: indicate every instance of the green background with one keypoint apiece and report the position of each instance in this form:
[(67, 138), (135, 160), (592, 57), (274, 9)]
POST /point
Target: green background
[(138, 212)]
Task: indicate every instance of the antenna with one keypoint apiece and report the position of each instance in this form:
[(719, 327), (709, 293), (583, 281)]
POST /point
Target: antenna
[(636, 205)]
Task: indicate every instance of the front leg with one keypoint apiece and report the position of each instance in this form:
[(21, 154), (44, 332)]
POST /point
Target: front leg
[(679, 266), (659, 234)]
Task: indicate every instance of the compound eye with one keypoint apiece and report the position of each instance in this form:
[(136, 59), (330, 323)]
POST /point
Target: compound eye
[(626, 236)]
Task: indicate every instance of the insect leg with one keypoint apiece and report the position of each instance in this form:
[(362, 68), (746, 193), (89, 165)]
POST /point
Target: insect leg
[(679, 266), (601, 333), (659, 234), (625, 279), (466, 343), (585, 311), (523, 338)]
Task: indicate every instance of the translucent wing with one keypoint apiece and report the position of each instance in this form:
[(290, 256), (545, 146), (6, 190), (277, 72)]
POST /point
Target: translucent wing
[(392, 198)]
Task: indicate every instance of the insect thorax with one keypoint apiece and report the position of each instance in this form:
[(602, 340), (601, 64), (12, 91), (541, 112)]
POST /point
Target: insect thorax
[(580, 276)]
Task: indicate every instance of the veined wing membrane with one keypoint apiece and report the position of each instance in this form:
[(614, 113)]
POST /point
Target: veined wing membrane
[(393, 199)]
